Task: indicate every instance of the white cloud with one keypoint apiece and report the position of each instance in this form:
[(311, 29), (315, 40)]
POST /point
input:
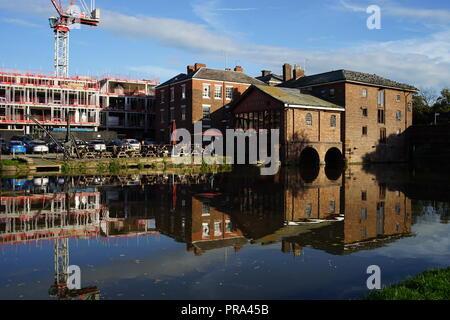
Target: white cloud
[(168, 32), (35, 7), (155, 71), (392, 9), (20, 22)]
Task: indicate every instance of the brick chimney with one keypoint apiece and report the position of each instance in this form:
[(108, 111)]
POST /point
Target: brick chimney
[(287, 72), (227, 69), (190, 69), (238, 69), (199, 65), (266, 72), (298, 72)]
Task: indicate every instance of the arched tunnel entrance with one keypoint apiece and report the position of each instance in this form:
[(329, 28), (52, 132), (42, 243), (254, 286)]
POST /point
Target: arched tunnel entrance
[(334, 158), (309, 157)]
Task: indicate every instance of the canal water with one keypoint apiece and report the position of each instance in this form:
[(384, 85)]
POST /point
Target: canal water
[(302, 234)]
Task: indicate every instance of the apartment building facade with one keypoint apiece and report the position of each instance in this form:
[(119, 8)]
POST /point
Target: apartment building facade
[(378, 111), (200, 95), (51, 101), (128, 107), (125, 106)]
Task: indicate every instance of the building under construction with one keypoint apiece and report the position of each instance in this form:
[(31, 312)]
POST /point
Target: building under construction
[(124, 106)]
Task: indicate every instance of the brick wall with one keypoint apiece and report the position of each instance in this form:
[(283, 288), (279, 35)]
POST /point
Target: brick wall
[(194, 103)]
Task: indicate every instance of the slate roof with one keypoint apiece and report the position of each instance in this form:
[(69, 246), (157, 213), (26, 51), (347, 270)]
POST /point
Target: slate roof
[(214, 74), (346, 75), (295, 97), (270, 77)]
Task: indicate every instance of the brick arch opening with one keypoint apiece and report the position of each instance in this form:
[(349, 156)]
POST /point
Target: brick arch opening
[(334, 158), (309, 157), (333, 173)]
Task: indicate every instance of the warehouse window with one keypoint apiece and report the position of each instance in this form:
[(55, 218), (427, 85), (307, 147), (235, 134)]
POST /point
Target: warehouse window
[(381, 117), (381, 98), (364, 131), (365, 112), (364, 93), (309, 119), (333, 121)]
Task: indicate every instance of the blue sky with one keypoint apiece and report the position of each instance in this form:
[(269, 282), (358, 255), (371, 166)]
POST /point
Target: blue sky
[(157, 39)]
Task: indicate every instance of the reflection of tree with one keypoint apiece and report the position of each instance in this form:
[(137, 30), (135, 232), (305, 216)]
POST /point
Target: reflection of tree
[(425, 208)]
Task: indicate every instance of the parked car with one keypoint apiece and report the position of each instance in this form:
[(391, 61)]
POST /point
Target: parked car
[(37, 146), (132, 144), (98, 145), (15, 147)]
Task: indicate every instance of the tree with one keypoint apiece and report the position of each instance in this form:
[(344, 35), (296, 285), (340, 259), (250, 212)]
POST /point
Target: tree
[(422, 107), (442, 104)]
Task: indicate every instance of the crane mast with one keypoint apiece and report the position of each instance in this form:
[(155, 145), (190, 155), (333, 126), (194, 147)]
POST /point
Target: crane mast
[(73, 15)]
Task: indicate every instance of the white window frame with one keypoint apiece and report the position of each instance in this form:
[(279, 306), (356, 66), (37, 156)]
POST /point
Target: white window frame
[(172, 94), (229, 98), (216, 91), (183, 91), (364, 93), (162, 96), (217, 228), (206, 230), (203, 111), (206, 93)]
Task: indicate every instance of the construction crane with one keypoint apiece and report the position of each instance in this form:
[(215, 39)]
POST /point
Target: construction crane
[(73, 15)]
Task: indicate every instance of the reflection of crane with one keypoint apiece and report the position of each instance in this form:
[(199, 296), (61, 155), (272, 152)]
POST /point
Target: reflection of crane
[(61, 260), (61, 26)]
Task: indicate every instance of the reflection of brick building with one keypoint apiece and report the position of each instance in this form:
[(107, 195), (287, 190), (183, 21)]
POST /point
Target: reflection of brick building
[(200, 94), (200, 225), (320, 199), (372, 210), (322, 212)]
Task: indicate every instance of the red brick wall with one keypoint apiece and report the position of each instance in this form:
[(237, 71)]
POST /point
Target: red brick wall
[(194, 105)]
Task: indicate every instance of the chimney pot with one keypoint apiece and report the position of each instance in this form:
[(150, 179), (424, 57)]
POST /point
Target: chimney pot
[(298, 72), (287, 72), (265, 72), (238, 69), (190, 69), (199, 65)]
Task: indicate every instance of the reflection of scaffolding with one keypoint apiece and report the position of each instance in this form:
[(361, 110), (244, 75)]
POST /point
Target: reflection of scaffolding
[(61, 264)]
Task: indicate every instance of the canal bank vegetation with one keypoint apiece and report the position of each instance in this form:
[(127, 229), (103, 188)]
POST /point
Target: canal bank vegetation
[(13, 165), (162, 165), (429, 285)]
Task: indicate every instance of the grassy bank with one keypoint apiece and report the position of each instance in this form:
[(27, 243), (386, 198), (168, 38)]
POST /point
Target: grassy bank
[(430, 285)]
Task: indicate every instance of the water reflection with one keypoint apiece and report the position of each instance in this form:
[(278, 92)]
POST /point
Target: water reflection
[(325, 209)]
